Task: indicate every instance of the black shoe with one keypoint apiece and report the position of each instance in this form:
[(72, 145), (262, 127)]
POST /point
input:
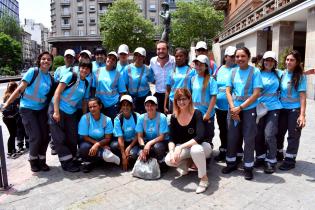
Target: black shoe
[(87, 167), (248, 173), (43, 166), (280, 156), (69, 166), (163, 167), (259, 162), (229, 168), (287, 165), (220, 157), (269, 168), (35, 165)]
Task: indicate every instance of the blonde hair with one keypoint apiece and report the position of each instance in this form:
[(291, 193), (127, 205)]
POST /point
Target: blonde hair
[(180, 92)]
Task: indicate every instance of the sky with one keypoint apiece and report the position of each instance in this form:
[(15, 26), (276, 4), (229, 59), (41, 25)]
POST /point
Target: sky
[(38, 10)]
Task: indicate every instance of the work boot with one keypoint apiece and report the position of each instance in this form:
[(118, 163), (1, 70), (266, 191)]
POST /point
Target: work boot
[(248, 173), (69, 166), (280, 156), (259, 162), (220, 157), (269, 168), (35, 165), (288, 164), (229, 168), (43, 166)]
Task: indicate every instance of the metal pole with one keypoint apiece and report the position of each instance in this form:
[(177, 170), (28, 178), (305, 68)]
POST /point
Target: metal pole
[(3, 166)]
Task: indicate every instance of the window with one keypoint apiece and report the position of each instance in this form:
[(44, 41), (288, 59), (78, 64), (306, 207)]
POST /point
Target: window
[(66, 33), (80, 9), (92, 21), (152, 8), (80, 22), (92, 8), (152, 19), (66, 10), (80, 32), (65, 21)]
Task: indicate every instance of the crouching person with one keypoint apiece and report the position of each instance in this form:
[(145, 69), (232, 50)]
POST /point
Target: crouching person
[(96, 130), (187, 138), (124, 129), (151, 129), (71, 90)]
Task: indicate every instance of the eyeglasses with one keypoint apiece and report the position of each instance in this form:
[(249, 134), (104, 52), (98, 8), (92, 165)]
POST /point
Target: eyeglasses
[(182, 99)]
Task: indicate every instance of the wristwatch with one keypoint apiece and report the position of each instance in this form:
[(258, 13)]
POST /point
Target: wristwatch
[(141, 146)]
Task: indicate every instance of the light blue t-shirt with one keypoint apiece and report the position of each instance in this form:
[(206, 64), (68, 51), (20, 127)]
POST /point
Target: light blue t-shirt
[(128, 130), (95, 129), (290, 97), (35, 96), (108, 85), (181, 78), (200, 98), (96, 65), (60, 71), (88, 78), (121, 68), (222, 76), (239, 83), (131, 76), (150, 127), (70, 97), (269, 94)]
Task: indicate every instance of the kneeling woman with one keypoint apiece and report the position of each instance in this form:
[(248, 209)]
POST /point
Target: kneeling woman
[(187, 138), (96, 129), (151, 129), (124, 129), (63, 122)]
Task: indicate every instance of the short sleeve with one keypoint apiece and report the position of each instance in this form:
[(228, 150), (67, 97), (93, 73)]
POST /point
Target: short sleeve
[(302, 84), (28, 75), (163, 124), (83, 126), (109, 126), (168, 79), (150, 75), (213, 86), (121, 84), (124, 74), (66, 78), (117, 127), (257, 79), (57, 74), (229, 79)]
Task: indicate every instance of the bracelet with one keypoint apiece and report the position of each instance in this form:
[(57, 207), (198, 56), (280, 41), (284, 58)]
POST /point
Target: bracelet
[(241, 107)]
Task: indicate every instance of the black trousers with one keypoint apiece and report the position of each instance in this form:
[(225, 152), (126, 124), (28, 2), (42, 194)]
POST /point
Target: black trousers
[(160, 98), (223, 127)]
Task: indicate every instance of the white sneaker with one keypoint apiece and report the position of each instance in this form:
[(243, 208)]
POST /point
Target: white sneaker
[(202, 187), (183, 172)]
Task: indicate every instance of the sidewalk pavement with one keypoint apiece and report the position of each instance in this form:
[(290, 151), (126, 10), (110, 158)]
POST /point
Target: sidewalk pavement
[(111, 188)]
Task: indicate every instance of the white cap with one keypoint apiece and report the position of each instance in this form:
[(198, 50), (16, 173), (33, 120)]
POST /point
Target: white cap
[(126, 98), (141, 51), (201, 45), (87, 52), (151, 98), (270, 54), (69, 52), (113, 53), (230, 51), (202, 59), (123, 49)]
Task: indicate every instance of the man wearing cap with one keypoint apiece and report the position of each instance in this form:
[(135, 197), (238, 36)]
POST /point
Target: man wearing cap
[(69, 58), (123, 54), (137, 77), (151, 129), (161, 65), (202, 49), (100, 58)]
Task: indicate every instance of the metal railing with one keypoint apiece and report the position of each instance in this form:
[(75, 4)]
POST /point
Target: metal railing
[(266, 9), (3, 167)]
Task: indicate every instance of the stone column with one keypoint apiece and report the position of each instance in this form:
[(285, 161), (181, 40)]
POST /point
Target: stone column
[(310, 52), (262, 37), (282, 36)]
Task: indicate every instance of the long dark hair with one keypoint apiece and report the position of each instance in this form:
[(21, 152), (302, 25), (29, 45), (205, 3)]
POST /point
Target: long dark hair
[(40, 57), (298, 70)]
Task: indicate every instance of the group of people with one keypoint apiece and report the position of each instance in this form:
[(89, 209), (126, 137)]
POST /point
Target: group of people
[(104, 110)]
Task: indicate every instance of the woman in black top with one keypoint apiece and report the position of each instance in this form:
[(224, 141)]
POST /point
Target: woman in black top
[(187, 138)]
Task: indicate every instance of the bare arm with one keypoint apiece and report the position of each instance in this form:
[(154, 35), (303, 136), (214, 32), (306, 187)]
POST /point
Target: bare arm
[(210, 107), (167, 94), (20, 89), (301, 120)]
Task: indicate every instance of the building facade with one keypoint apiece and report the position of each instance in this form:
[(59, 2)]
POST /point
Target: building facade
[(27, 47), (11, 7), (275, 25), (38, 33), (75, 23)]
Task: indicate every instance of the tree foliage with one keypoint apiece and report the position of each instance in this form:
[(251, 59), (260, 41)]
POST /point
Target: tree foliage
[(9, 26), (58, 61), (11, 52), (195, 21), (123, 23)]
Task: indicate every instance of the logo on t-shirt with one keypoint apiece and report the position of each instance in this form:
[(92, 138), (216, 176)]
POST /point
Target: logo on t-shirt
[(191, 130)]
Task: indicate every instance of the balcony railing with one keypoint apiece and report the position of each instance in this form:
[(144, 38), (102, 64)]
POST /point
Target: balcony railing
[(220, 4), (65, 2), (65, 14), (65, 26), (267, 9)]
